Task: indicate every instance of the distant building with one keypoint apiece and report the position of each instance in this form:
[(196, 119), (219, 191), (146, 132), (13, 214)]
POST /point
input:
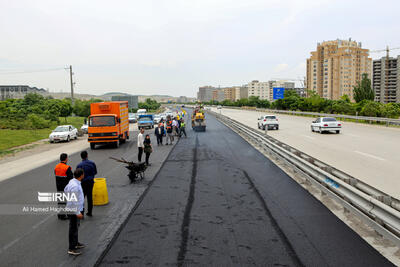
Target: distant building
[(182, 99), (218, 95), (280, 83), (230, 93), (18, 91), (301, 91), (205, 93), (336, 67), (244, 92), (133, 100), (257, 88), (386, 79)]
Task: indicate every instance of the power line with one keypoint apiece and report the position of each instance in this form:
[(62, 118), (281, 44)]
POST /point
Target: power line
[(31, 71)]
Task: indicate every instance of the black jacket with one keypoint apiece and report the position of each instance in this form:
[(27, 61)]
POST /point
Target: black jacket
[(162, 131)]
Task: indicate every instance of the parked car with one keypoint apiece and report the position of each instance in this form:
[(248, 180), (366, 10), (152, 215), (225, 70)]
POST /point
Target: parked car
[(219, 107), (270, 121), (326, 124), (63, 133), (157, 119), (132, 117), (84, 128), (145, 121)]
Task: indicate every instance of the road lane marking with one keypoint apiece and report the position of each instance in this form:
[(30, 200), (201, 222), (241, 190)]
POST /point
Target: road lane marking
[(369, 155)]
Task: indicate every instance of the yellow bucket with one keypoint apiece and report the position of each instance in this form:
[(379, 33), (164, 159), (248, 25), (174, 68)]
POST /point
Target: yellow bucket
[(100, 194)]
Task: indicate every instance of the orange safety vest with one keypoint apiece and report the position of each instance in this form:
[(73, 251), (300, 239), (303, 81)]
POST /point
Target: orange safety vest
[(169, 124), (61, 169)]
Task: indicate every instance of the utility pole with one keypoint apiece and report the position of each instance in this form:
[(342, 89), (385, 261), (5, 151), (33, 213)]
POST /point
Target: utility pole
[(72, 84)]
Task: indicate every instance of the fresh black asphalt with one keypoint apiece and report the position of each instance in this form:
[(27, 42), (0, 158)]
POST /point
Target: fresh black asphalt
[(42, 240), (217, 201)]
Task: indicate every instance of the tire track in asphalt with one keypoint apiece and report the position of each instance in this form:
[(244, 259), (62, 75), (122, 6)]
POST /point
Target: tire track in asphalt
[(289, 249), (188, 209)]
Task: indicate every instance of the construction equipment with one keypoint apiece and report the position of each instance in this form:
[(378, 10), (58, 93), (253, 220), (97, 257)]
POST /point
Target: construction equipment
[(136, 170), (198, 120)]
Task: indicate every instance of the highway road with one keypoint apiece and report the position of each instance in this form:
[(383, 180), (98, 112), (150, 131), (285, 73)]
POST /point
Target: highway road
[(217, 201), (367, 152), (42, 240)]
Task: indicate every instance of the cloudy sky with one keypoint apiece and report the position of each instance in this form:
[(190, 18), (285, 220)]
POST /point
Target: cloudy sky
[(174, 46)]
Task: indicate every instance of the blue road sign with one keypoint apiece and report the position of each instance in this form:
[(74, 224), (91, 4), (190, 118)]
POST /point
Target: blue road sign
[(278, 92)]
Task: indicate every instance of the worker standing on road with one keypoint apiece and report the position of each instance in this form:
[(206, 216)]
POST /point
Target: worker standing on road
[(63, 174), (140, 140), (159, 132), (175, 127), (90, 170), (182, 128), (169, 131), (74, 186), (148, 149)]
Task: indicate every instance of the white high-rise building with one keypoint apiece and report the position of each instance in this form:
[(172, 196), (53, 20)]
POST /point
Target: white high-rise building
[(257, 88)]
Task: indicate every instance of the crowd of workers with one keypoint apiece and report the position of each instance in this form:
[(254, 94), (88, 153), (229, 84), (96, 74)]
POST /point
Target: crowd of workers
[(170, 128), (81, 181)]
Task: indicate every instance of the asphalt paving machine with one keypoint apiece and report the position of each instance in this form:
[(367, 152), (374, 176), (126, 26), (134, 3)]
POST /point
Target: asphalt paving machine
[(198, 120)]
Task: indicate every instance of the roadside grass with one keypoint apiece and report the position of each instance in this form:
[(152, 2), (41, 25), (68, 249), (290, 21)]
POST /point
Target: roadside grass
[(10, 139)]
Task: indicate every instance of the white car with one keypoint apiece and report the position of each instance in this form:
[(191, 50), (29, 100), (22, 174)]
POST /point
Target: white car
[(219, 107), (268, 121), (84, 128), (326, 124), (63, 133), (157, 119)]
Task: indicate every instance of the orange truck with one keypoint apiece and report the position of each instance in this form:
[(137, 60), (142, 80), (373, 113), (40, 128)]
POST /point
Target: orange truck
[(108, 123)]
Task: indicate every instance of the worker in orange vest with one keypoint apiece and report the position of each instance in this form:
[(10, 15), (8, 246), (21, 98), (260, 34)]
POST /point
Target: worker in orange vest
[(170, 136), (63, 174)]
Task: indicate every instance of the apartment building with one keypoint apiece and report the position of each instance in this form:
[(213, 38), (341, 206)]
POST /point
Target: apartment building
[(260, 89), (205, 93), (336, 67), (243, 92), (386, 79), (218, 94)]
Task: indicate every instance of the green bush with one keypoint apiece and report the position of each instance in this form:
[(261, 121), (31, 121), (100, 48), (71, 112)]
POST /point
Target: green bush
[(372, 109), (37, 122)]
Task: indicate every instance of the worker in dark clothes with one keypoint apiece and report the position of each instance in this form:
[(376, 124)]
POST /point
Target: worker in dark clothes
[(159, 132), (90, 170), (63, 174)]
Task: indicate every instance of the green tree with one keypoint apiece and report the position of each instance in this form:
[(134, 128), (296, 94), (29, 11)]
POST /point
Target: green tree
[(65, 109), (363, 90)]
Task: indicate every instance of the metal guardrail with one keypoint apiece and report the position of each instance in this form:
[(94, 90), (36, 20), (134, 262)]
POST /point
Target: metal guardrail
[(316, 114), (377, 209)]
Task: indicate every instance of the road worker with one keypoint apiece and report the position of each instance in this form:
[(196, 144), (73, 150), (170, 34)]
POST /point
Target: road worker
[(168, 127), (63, 174), (182, 128)]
